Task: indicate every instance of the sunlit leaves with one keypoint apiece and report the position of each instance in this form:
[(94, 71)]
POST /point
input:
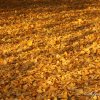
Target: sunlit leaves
[(49, 52)]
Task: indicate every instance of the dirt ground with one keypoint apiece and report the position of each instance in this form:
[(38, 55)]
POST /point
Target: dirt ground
[(50, 50)]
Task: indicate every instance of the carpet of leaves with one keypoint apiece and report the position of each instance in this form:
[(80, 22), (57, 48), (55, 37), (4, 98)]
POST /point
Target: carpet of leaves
[(50, 51)]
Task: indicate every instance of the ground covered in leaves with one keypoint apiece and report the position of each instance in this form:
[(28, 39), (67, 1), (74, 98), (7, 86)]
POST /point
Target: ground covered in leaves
[(50, 50)]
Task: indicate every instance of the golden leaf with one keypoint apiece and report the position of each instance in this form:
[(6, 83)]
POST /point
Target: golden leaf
[(29, 43), (1, 61)]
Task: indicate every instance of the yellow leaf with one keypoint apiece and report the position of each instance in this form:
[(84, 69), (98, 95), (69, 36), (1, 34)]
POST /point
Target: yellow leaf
[(29, 43)]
